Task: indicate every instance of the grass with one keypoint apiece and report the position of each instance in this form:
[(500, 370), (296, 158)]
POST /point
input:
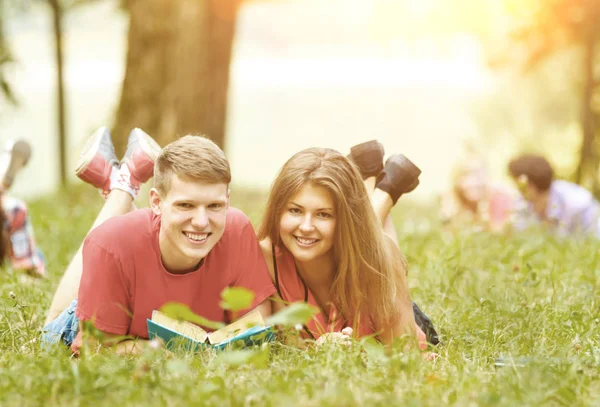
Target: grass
[(489, 296)]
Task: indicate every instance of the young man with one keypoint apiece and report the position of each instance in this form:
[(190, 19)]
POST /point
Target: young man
[(187, 247), (567, 208)]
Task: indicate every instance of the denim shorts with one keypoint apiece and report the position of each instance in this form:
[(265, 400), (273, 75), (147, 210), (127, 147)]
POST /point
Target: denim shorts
[(64, 328)]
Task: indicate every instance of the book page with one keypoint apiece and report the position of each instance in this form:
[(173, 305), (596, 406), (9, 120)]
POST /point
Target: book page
[(251, 319), (183, 327)]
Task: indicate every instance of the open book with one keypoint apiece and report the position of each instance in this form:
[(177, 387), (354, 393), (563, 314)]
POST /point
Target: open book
[(249, 329)]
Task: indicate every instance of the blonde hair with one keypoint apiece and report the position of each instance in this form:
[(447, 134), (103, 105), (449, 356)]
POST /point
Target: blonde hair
[(191, 158), (370, 269), (471, 164)]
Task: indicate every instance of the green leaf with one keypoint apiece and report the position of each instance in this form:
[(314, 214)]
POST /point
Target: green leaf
[(293, 314), (374, 349), (212, 385), (177, 367), (256, 357), (236, 298), (182, 312)]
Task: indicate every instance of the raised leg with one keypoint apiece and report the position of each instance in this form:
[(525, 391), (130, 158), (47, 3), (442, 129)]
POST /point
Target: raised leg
[(119, 182)]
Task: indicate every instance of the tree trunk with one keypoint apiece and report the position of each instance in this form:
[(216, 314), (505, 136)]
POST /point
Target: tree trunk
[(587, 167), (57, 14), (177, 69)]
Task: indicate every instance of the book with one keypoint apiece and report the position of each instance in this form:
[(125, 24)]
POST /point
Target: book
[(247, 330)]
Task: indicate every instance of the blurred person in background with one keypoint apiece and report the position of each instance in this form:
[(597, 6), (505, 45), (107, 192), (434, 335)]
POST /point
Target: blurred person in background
[(17, 243), (563, 207), (475, 200), (325, 244)]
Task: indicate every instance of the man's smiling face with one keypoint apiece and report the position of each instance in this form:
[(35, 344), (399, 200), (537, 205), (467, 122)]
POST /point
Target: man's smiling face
[(193, 215)]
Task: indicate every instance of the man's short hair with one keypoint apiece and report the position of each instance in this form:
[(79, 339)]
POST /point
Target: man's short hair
[(191, 158), (536, 168)]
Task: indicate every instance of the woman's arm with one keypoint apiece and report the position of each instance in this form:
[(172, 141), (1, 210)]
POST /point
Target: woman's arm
[(404, 325), (267, 250)]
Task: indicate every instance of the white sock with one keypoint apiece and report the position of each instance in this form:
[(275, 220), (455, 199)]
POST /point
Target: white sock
[(120, 178)]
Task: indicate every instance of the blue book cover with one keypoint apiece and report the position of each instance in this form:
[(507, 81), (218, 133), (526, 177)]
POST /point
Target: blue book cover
[(253, 336), (173, 340), (196, 338)]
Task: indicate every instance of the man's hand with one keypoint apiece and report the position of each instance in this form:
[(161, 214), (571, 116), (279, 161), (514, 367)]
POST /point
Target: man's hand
[(132, 347), (118, 343)]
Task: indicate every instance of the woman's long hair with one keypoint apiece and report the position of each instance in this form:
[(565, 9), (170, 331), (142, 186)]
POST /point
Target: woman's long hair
[(471, 163), (370, 269)]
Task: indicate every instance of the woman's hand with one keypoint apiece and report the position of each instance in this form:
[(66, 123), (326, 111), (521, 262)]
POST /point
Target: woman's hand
[(342, 337)]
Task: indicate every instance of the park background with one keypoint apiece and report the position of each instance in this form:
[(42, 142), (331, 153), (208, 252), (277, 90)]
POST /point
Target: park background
[(424, 77)]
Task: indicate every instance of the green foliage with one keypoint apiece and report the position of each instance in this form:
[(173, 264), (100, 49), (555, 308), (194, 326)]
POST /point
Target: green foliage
[(6, 58), (236, 298), (258, 358), (489, 296), (293, 314), (545, 26), (183, 312)]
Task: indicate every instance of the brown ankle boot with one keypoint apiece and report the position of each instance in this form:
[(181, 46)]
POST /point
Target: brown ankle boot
[(368, 157), (399, 176)]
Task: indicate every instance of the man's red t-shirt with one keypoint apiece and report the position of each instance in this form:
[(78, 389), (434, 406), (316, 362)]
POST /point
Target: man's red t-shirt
[(124, 279)]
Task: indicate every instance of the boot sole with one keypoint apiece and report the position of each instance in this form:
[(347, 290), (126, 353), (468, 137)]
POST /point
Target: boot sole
[(404, 164), (369, 148)]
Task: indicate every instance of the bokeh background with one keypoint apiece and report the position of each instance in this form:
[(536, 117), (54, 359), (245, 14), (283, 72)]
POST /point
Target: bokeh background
[(266, 78)]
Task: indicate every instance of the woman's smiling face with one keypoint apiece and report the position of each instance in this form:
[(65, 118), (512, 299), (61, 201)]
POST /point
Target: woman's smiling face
[(307, 225)]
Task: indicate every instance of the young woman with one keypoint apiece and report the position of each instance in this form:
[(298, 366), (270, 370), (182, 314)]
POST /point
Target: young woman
[(324, 243), (475, 200)]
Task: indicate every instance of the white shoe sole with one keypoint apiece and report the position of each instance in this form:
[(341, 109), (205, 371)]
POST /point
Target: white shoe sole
[(19, 157), (147, 144), (90, 149)]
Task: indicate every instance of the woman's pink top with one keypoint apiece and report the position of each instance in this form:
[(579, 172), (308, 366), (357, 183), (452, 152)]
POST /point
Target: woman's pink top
[(291, 288), (497, 209), (501, 204)]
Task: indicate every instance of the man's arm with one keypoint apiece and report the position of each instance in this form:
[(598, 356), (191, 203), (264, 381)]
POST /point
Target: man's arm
[(103, 292), (116, 342)]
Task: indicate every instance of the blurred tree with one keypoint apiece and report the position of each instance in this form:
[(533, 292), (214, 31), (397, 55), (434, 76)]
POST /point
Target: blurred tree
[(57, 30), (549, 25), (177, 69), (58, 9), (5, 59)]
